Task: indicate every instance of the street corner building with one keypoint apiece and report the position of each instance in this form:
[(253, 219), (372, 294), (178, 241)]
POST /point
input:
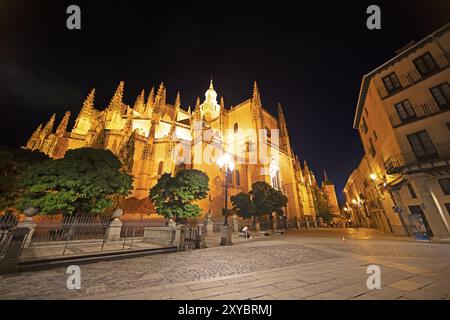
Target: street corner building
[(153, 137), (402, 184)]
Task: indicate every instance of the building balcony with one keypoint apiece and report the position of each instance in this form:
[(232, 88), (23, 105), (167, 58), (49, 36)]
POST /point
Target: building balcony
[(421, 110), (413, 76), (411, 162)]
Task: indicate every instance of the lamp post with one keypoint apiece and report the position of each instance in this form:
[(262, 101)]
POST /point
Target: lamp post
[(374, 178), (226, 162)]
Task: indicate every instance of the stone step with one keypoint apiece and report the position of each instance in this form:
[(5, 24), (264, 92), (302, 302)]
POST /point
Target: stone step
[(42, 264)]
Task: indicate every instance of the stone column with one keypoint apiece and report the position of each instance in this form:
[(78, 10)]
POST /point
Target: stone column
[(31, 225), (225, 236), (172, 223), (180, 237), (114, 229), (209, 224), (201, 236), (430, 206)]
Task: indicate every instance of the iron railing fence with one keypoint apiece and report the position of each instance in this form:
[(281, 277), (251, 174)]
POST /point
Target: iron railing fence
[(395, 163), (413, 76), (194, 236), (264, 225), (78, 227), (190, 221), (134, 226), (282, 224), (7, 223), (292, 223), (421, 110)]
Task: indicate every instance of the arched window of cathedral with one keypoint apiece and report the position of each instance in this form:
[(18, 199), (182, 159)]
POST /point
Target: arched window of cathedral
[(236, 127), (230, 176), (277, 177), (160, 168), (179, 156), (268, 132), (276, 183), (238, 178)]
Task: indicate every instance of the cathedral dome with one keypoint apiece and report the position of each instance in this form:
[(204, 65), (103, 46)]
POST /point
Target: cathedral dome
[(210, 109), (211, 94)]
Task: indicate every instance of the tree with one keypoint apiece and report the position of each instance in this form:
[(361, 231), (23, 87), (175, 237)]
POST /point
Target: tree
[(266, 200), (173, 196), (86, 180), (243, 205), (322, 206), (13, 162), (279, 201)]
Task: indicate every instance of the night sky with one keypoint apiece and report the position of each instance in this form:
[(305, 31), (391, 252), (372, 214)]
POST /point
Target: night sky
[(310, 56)]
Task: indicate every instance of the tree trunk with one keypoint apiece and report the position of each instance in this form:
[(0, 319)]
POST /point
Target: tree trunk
[(270, 221)]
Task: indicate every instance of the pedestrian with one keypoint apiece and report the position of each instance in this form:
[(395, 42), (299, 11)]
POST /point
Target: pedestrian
[(246, 232)]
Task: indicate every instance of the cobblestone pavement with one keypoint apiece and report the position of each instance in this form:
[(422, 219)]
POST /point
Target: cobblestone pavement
[(298, 265)]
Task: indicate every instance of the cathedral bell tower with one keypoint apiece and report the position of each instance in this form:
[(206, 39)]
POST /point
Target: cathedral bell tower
[(210, 109)]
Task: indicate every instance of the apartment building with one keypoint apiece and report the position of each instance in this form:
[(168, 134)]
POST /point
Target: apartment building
[(403, 119)]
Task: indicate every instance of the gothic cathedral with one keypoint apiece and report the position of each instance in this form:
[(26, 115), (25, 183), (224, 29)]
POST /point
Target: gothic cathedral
[(153, 137)]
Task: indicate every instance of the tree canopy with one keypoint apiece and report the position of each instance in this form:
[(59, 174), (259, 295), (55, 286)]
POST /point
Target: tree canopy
[(268, 199), (243, 205), (322, 205), (279, 201), (13, 162), (263, 199), (173, 196), (86, 180)]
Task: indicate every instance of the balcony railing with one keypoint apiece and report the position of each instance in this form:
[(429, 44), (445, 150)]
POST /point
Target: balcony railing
[(421, 110), (413, 76), (398, 162)]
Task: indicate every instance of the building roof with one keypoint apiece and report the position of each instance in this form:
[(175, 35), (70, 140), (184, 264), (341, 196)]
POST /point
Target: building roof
[(368, 77)]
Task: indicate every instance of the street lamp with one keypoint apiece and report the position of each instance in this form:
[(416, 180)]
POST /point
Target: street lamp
[(227, 162)]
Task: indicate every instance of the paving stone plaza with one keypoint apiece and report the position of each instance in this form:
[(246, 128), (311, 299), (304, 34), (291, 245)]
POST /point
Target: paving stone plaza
[(317, 264)]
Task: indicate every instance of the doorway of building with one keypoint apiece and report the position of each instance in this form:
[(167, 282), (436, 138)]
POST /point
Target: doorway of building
[(419, 223)]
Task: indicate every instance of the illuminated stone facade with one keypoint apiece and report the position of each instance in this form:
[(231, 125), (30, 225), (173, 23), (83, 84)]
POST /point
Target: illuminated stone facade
[(153, 137), (402, 184)]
